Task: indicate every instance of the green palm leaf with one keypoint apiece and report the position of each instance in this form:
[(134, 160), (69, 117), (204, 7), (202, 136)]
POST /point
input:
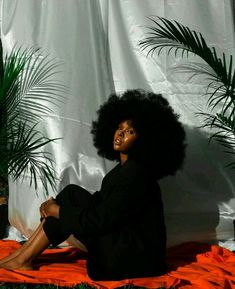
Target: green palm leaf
[(225, 128), (218, 72), (28, 87), (27, 90), (177, 37), (24, 156)]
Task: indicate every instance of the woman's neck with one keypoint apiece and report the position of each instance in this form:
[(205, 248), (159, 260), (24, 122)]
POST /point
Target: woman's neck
[(123, 158)]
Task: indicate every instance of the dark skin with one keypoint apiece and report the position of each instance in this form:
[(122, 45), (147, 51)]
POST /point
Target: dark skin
[(22, 259), (124, 139), (50, 208)]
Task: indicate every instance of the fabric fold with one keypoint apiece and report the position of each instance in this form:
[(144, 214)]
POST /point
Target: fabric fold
[(191, 266)]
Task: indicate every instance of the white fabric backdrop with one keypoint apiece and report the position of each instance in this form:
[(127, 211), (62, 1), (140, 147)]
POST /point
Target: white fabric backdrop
[(97, 40)]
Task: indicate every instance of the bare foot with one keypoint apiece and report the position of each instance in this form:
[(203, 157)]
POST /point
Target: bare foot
[(13, 264)]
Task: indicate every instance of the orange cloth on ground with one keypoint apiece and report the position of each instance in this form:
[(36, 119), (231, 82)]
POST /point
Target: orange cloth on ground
[(191, 265)]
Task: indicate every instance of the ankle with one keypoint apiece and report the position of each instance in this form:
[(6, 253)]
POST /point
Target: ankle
[(17, 264)]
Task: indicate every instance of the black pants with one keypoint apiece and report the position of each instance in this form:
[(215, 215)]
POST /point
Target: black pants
[(70, 196)]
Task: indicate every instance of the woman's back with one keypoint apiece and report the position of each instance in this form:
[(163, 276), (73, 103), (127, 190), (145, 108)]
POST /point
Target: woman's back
[(133, 241)]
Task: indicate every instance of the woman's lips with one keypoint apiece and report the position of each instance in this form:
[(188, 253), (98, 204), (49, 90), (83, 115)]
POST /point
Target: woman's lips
[(117, 141)]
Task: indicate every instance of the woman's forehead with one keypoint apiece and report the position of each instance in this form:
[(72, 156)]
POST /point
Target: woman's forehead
[(127, 122)]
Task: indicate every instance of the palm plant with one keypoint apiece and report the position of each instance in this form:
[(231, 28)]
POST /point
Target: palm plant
[(218, 72), (27, 89)]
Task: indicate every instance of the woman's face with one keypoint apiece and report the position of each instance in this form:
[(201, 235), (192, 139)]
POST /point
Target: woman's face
[(124, 137)]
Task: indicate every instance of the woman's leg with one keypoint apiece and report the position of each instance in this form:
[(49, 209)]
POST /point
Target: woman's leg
[(26, 244), (47, 232), (28, 253), (74, 196), (65, 197)]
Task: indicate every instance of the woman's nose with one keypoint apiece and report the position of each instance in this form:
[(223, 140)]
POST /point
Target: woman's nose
[(120, 133)]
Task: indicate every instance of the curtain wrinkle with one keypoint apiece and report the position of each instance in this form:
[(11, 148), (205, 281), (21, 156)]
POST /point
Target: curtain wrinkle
[(104, 14), (9, 11), (104, 10), (233, 11), (97, 58), (97, 40), (127, 72)]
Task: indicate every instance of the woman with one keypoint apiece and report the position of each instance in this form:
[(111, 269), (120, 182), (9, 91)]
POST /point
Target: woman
[(121, 226)]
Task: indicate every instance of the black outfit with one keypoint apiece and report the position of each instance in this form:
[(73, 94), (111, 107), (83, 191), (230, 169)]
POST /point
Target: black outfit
[(122, 225)]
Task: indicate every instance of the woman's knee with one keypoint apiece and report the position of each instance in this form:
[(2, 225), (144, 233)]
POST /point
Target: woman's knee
[(63, 196), (74, 196)]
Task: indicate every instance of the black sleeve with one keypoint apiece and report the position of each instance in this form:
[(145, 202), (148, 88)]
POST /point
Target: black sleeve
[(125, 200), (97, 197)]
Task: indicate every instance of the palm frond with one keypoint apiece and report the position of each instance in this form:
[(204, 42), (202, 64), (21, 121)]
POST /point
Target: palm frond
[(174, 36), (224, 128), (28, 85), (26, 157), (28, 90), (1, 62), (218, 72)]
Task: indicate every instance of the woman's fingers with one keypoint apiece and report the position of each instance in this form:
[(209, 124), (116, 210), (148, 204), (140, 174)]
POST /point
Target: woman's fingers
[(49, 208), (43, 207), (43, 211)]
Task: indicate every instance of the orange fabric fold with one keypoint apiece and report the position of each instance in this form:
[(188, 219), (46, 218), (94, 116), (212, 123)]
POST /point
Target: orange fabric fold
[(191, 265)]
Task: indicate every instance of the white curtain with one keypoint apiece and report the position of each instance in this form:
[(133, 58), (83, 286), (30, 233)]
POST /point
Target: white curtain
[(97, 41)]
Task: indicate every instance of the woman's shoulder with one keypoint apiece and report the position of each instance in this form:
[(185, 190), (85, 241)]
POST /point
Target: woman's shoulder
[(132, 170), (132, 166), (129, 170)]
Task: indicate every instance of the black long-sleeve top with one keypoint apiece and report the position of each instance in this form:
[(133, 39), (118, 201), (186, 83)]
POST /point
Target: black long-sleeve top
[(125, 224)]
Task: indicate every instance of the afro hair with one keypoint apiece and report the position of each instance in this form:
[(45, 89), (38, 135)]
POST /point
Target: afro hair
[(161, 137)]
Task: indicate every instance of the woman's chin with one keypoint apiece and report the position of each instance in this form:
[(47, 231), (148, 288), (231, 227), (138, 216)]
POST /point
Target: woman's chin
[(117, 148)]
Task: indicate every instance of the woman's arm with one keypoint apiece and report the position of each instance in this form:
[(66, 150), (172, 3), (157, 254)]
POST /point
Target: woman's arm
[(124, 200)]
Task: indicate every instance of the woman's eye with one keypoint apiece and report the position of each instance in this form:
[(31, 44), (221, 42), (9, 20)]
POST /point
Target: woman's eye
[(130, 131)]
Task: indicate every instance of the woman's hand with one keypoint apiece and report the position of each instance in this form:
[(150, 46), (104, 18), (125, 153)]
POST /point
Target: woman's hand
[(49, 209)]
